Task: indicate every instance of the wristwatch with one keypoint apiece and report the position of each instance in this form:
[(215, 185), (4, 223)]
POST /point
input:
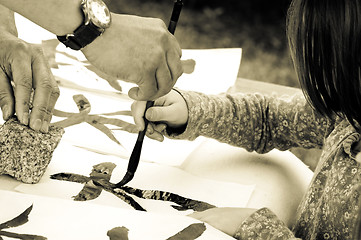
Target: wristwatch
[(97, 18)]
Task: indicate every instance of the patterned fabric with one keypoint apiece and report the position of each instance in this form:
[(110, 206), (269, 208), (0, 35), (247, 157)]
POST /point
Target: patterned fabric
[(261, 123), (264, 224)]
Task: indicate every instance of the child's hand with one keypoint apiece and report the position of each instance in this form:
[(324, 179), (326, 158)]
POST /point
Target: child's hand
[(170, 110), (225, 219)]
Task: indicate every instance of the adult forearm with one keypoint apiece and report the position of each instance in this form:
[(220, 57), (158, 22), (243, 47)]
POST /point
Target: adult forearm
[(59, 17), (7, 20)]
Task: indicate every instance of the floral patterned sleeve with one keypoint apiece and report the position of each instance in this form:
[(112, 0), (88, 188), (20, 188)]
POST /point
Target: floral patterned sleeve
[(253, 121), (263, 224)]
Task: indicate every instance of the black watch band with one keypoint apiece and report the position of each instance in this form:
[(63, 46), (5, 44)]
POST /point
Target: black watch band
[(81, 37)]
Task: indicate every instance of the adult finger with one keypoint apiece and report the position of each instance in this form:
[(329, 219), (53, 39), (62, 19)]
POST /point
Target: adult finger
[(22, 77), (154, 86), (45, 96), (175, 65), (6, 96), (164, 79), (146, 90), (138, 108)]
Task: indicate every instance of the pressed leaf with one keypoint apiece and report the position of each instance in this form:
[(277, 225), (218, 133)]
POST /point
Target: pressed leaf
[(123, 113), (185, 203), (91, 191), (191, 232), (96, 121), (105, 130), (112, 121), (118, 233), (73, 120), (21, 236), (82, 103), (17, 221), (60, 113), (70, 177)]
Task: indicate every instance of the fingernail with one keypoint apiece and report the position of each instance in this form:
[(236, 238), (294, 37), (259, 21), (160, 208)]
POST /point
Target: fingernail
[(149, 114), (25, 120), (149, 130), (6, 112), (37, 125), (45, 127)]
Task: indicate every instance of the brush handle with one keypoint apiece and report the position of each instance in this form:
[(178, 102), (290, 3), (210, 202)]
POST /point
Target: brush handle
[(178, 4), (175, 16), (135, 156)]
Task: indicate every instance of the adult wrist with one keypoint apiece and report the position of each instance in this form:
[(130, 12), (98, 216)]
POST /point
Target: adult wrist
[(96, 19)]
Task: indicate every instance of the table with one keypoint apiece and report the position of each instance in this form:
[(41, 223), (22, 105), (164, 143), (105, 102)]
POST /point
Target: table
[(205, 169)]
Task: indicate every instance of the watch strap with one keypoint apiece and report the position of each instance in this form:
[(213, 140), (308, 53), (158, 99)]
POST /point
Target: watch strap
[(82, 36)]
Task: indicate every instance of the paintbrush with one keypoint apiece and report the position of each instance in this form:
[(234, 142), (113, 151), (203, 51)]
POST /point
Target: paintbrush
[(135, 156)]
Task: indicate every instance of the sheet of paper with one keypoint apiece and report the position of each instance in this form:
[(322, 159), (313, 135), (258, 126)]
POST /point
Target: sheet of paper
[(149, 176), (31, 32), (59, 219), (215, 71), (72, 70)]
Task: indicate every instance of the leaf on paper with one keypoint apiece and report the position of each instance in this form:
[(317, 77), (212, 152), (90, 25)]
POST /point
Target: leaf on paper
[(188, 65), (18, 221), (99, 179), (191, 232), (82, 103), (185, 203), (70, 177), (98, 122), (91, 191), (118, 233)]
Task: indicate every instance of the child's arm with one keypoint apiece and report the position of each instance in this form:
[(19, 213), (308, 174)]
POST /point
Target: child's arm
[(263, 224), (246, 223), (252, 121)]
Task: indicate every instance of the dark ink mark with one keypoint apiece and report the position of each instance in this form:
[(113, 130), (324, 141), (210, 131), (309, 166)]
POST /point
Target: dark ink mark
[(191, 232), (18, 221), (118, 233), (99, 179)]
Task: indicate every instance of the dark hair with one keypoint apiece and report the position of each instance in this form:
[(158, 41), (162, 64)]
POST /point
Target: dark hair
[(325, 43)]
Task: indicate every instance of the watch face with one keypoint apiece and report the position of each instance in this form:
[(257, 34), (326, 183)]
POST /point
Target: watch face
[(98, 13)]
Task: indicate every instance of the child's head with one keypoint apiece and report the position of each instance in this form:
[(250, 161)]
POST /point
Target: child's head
[(325, 43)]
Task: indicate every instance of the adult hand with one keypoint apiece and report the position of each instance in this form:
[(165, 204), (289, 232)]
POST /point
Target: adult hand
[(170, 110), (225, 219), (24, 69), (138, 50)]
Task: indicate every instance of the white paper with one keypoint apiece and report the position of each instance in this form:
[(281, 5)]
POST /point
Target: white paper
[(149, 176), (59, 219), (215, 71), (30, 32)]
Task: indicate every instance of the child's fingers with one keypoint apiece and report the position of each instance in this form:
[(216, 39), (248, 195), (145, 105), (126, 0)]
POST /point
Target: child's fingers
[(153, 133), (163, 113), (160, 127)]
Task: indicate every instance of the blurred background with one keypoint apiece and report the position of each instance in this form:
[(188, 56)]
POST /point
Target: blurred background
[(256, 26)]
